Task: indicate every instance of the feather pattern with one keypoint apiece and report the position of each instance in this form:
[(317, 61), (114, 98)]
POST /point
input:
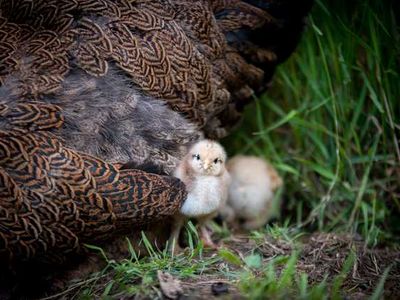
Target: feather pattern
[(91, 88)]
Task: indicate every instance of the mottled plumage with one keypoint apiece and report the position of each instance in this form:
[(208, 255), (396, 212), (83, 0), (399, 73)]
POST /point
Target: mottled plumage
[(92, 88), (54, 198)]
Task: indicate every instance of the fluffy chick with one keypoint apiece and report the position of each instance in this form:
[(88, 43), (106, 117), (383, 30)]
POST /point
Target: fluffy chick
[(253, 183), (206, 178)]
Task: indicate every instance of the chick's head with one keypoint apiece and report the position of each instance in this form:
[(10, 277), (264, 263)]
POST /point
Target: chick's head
[(207, 158)]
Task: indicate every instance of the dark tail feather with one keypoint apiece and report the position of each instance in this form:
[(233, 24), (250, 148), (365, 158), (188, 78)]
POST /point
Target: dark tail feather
[(264, 33)]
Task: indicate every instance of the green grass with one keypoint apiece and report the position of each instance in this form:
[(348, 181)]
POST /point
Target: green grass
[(279, 277), (330, 124), (289, 284), (137, 275)]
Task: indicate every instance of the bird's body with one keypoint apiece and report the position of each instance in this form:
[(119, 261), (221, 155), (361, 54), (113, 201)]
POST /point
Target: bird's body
[(206, 195), (206, 179), (250, 195)]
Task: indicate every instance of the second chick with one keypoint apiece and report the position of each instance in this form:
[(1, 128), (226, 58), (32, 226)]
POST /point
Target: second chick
[(253, 183)]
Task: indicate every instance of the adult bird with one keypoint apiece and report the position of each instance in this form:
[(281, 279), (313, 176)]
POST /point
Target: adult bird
[(94, 92)]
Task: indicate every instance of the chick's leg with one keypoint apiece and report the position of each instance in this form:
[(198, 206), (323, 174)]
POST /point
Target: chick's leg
[(206, 238), (205, 234), (173, 242)]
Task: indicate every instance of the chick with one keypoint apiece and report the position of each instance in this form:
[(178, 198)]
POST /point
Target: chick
[(253, 183), (206, 178)]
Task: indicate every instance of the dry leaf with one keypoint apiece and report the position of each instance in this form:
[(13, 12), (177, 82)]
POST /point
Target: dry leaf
[(170, 286)]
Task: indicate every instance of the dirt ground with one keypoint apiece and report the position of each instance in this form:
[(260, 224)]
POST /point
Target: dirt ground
[(321, 255)]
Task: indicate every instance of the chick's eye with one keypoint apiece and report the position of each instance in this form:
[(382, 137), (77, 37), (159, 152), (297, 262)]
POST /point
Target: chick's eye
[(217, 160), (196, 156)]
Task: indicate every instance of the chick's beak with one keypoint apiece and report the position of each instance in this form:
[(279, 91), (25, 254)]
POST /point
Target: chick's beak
[(207, 165)]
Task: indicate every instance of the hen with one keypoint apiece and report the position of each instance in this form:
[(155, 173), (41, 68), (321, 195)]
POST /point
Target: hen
[(90, 89)]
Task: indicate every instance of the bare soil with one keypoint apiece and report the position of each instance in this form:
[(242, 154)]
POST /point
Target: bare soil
[(321, 255)]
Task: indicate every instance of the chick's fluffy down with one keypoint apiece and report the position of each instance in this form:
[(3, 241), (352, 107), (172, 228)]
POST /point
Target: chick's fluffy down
[(253, 183)]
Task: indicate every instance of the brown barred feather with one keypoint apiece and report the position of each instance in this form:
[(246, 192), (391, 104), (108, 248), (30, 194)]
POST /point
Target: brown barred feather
[(53, 198)]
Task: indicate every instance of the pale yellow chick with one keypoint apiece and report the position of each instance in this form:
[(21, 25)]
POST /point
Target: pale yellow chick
[(206, 178)]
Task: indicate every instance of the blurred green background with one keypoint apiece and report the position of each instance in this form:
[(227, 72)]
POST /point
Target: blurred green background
[(331, 123)]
